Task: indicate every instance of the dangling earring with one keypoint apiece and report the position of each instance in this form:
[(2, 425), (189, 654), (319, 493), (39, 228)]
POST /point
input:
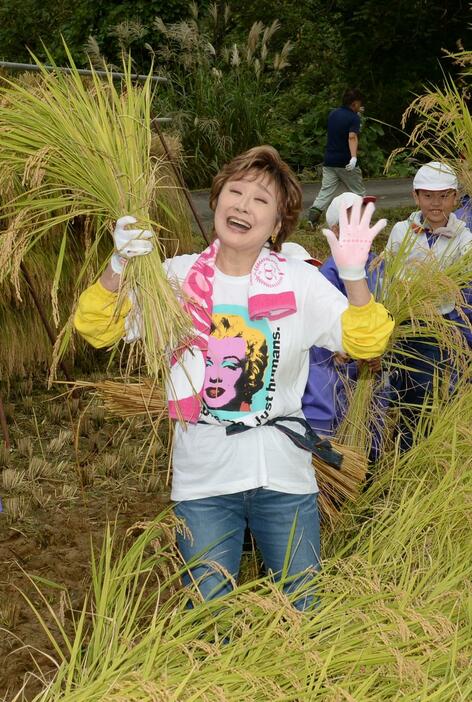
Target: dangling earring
[(273, 238)]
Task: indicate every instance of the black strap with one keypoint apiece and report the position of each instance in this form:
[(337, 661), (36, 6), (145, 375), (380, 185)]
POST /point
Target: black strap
[(309, 440)]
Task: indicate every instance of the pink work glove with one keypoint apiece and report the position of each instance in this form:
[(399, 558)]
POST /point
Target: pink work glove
[(351, 250)]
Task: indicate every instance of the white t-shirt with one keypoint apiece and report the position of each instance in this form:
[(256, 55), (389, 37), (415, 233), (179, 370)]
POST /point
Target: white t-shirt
[(256, 371)]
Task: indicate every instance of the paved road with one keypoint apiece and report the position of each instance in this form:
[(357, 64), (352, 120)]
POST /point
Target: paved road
[(391, 192)]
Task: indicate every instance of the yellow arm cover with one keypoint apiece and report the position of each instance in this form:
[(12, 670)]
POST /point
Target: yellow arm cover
[(366, 330), (97, 318)]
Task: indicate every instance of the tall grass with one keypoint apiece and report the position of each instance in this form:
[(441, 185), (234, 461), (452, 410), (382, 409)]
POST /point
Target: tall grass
[(220, 93)]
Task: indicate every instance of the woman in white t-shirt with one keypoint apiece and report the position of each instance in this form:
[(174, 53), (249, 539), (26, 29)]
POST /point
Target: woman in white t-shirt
[(244, 456)]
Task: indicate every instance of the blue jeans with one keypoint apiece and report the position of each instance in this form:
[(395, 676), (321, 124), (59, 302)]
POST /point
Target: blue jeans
[(217, 525)]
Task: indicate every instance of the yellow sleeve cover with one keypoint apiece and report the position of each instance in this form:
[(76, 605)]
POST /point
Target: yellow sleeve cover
[(366, 330), (97, 318)]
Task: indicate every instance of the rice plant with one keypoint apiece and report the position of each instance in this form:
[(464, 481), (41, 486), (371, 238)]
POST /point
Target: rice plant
[(57, 444), (67, 492), (13, 479), (24, 446), (19, 318), (443, 123), (392, 621), (39, 469), (5, 456), (17, 507), (412, 294), (83, 151), (40, 498), (109, 465)]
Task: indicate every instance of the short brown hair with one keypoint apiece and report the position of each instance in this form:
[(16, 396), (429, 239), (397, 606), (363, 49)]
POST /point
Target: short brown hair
[(265, 159), (352, 95)]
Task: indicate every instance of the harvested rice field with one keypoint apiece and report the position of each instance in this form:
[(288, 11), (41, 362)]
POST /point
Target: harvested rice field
[(393, 621), (70, 471)]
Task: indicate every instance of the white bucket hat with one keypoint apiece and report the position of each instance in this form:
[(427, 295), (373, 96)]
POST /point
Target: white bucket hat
[(346, 199), (293, 250), (435, 176)]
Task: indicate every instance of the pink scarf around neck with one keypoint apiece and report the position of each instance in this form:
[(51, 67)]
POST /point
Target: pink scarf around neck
[(270, 296)]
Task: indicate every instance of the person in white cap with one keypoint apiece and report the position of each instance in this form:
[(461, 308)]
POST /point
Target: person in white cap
[(344, 200), (325, 401), (432, 230)]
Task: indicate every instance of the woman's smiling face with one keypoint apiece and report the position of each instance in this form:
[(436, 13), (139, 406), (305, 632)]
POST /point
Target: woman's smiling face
[(246, 213)]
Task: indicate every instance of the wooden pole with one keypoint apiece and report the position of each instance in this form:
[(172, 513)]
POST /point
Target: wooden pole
[(4, 425), (181, 182), (44, 319)]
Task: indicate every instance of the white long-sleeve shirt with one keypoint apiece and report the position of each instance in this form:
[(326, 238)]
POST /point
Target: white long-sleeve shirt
[(445, 249)]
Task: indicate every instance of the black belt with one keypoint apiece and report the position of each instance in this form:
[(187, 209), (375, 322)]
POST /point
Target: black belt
[(309, 440)]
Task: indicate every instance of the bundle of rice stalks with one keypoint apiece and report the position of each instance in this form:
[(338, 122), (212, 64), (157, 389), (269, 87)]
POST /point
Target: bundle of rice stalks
[(338, 486), (412, 294), (76, 150), (129, 399), (20, 321)]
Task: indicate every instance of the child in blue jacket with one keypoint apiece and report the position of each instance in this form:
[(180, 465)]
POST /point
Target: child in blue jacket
[(325, 401)]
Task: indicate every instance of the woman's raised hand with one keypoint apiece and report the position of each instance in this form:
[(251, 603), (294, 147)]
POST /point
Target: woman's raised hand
[(129, 243), (351, 250)]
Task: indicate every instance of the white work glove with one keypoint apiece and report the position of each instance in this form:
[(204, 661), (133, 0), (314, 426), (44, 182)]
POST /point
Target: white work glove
[(129, 243), (351, 250), (352, 164)]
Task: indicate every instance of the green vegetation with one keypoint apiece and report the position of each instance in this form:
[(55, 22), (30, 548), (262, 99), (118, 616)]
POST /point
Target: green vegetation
[(225, 99)]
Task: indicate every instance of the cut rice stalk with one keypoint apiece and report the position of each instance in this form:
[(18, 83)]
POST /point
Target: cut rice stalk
[(339, 486), (129, 399)]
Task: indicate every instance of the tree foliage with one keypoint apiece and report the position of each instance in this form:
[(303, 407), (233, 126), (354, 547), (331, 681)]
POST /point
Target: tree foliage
[(393, 49), (388, 50), (30, 24)]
